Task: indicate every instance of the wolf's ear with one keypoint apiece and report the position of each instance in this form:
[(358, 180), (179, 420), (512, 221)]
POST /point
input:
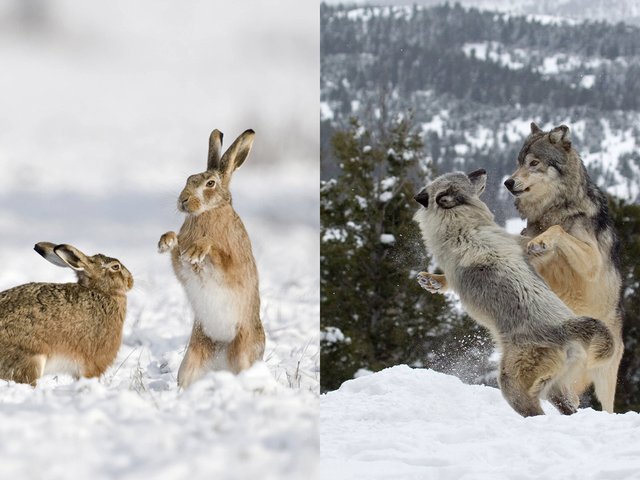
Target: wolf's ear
[(561, 136), (422, 198), (478, 180), (535, 128)]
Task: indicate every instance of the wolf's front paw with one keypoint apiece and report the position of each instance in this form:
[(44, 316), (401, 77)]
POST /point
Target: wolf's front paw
[(537, 247), (197, 252), (545, 242), (429, 283), (167, 242)]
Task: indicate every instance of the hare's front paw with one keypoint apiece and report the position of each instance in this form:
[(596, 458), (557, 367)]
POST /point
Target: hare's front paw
[(432, 282), (167, 242), (197, 252)]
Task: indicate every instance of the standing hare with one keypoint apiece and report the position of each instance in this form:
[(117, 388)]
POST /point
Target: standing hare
[(73, 328), (212, 258)]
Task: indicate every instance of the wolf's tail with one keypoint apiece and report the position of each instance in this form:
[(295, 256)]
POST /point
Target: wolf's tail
[(593, 334)]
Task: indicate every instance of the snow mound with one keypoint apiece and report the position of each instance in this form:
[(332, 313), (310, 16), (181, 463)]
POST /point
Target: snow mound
[(414, 423)]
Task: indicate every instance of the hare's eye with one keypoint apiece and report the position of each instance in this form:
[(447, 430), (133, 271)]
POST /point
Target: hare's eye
[(211, 183), (115, 267)]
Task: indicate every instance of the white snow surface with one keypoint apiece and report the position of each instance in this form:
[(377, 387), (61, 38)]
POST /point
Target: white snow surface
[(106, 111), (419, 424)]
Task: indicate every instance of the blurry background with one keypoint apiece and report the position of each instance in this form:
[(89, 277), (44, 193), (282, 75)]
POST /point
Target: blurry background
[(113, 102), (105, 109), (409, 91)]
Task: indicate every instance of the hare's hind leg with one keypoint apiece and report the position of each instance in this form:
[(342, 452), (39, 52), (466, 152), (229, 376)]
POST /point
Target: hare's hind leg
[(247, 347), (201, 353), (21, 366)]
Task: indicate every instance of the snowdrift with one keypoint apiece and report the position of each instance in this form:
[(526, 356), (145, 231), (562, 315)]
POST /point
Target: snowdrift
[(419, 424)]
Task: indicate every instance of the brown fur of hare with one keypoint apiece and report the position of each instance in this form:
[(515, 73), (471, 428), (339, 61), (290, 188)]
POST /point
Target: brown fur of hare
[(73, 328), (212, 258)]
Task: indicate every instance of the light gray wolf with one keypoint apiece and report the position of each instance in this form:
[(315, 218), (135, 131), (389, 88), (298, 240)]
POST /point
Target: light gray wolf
[(544, 345), (573, 244), (212, 258)]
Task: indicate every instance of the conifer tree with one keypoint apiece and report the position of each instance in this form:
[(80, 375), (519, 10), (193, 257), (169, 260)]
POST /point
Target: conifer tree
[(626, 218), (373, 314)]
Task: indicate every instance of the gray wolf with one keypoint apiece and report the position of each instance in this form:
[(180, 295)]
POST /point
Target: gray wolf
[(212, 258), (573, 245), (544, 345), (73, 328)]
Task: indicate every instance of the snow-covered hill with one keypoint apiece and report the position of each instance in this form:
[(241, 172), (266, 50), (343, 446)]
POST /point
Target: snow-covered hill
[(472, 92), (419, 424), (627, 11)]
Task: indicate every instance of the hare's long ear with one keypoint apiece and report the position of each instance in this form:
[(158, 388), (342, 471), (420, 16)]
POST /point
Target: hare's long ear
[(215, 150), (45, 249), (72, 257), (237, 153)]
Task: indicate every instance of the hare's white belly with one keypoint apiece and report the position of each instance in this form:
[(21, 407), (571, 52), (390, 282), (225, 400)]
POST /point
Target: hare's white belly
[(214, 305), (59, 364)]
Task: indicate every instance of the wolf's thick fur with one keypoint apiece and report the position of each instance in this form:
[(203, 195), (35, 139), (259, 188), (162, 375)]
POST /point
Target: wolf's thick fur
[(573, 245), (545, 347)]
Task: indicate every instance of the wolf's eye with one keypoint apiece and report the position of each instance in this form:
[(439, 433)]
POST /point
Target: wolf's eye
[(115, 267), (211, 183), (534, 163)]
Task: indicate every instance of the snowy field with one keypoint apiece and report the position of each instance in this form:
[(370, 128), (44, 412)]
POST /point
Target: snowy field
[(404, 423), (106, 109)]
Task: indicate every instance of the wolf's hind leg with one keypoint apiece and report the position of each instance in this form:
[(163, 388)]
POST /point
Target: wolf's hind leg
[(605, 379), (518, 396), (565, 401), (526, 372), (432, 282)]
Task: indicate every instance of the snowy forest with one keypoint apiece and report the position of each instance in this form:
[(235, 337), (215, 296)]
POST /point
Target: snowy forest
[(408, 92)]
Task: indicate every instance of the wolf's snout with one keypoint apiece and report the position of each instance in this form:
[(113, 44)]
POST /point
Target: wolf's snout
[(509, 183)]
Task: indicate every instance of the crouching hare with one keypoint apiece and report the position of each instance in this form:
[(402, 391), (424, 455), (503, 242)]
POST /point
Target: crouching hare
[(212, 258), (73, 328)]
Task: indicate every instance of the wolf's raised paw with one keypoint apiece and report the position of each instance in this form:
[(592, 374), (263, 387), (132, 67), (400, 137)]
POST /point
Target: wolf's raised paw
[(167, 242), (538, 246), (430, 284)]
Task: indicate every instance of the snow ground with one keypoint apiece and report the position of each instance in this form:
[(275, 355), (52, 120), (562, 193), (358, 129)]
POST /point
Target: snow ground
[(106, 111), (134, 423), (417, 424)]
